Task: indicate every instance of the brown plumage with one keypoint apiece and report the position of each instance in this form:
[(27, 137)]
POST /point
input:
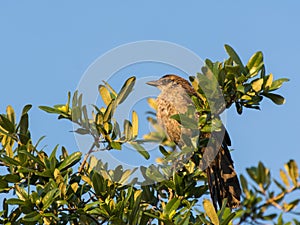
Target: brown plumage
[(175, 97)]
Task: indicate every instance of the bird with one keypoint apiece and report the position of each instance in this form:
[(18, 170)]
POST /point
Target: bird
[(175, 98)]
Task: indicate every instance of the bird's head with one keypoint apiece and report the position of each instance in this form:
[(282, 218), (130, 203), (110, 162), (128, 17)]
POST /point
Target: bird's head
[(170, 82)]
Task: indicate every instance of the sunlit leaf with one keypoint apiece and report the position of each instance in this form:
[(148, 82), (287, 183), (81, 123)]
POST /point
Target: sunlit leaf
[(11, 114), (210, 211), (152, 103), (171, 207), (284, 178), (255, 63), (50, 109), (104, 94), (70, 160), (269, 81), (109, 111), (116, 145), (277, 84), (128, 130), (135, 124), (293, 171), (113, 92), (49, 198), (257, 84)]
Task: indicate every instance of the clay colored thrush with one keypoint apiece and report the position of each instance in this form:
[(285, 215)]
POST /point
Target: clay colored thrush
[(175, 98)]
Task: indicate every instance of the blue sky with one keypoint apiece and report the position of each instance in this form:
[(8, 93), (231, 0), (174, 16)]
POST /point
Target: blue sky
[(46, 46)]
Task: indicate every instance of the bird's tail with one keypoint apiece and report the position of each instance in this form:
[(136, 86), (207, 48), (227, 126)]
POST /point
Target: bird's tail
[(223, 181)]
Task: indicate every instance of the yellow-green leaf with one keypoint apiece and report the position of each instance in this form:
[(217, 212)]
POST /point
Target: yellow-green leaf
[(49, 198), (127, 130), (104, 94), (277, 83), (113, 92), (257, 84), (11, 114), (135, 124), (109, 111), (210, 211), (293, 171), (269, 81), (125, 90), (255, 63), (152, 103), (284, 178), (70, 160)]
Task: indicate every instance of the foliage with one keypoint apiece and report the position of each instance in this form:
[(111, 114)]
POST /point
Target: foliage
[(57, 188)]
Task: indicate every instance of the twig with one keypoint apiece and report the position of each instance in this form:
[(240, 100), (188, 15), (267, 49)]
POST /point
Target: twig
[(86, 157)]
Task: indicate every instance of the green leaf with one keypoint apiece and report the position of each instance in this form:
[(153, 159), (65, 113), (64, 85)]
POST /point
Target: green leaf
[(239, 108), (32, 217), (109, 111), (32, 157), (82, 131), (230, 51), (185, 121), (98, 183), (12, 178), (255, 63), (210, 211), (70, 160), (76, 113), (128, 130), (163, 151), (75, 99), (53, 153), (9, 161), (49, 198), (24, 124), (171, 207), (228, 219), (277, 84), (50, 109), (22, 194), (125, 176), (15, 201), (140, 149), (244, 183), (277, 99), (116, 145), (125, 90), (7, 124)]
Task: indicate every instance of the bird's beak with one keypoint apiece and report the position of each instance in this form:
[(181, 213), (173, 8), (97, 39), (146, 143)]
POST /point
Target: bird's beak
[(154, 83)]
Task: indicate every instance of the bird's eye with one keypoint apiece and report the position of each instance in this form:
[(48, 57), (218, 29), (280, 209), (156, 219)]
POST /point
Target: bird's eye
[(165, 82)]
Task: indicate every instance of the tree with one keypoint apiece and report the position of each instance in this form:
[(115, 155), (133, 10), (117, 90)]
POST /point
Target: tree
[(63, 188)]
